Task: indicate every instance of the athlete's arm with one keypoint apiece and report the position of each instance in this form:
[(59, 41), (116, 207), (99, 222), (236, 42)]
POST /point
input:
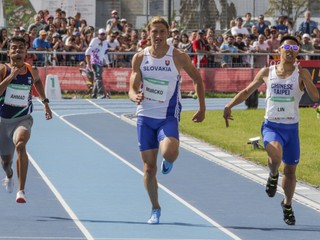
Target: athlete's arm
[(183, 61), (39, 87), (306, 80), (136, 79), (259, 79)]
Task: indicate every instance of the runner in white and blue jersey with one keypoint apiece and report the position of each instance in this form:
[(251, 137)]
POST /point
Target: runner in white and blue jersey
[(285, 83), (155, 88)]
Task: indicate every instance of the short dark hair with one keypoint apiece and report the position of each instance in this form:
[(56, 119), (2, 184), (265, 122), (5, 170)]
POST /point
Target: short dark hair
[(16, 39), (288, 37)]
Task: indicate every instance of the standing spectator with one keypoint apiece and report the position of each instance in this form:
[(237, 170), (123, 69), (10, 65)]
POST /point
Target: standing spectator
[(114, 13), (32, 35), (291, 30), (247, 59), (238, 29), (239, 43), (3, 44), (261, 25), (248, 22), (173, 32), (254, 33), (77, 18), (114, 26), (261, 46), (306, 45), (228, 47), (58, 45), (41, 44), (185, 44), (307, 25), (37, 23), (218, 58), (213, 49), (274, 44), (113, 46), (48, 22), (281, 26), (316, 47), (200, 46), (95, 58)]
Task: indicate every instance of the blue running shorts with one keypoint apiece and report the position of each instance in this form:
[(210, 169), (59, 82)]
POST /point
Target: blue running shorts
[(151, 131), (287, 135)]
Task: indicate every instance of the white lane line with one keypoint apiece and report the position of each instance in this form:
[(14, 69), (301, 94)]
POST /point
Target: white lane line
[(61, 200), (198, 212)]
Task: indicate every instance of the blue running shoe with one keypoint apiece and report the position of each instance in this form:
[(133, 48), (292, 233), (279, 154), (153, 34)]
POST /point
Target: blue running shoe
[(155, 216), (166, 166)]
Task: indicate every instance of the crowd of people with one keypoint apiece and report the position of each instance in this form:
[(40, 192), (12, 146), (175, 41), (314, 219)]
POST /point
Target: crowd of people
[(70, 37)]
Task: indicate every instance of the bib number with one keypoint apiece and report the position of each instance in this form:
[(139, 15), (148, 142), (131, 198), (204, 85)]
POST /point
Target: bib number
[(155, 89)]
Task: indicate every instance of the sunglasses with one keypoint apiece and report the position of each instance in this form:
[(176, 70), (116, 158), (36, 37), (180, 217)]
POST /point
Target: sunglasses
[(288, 47)]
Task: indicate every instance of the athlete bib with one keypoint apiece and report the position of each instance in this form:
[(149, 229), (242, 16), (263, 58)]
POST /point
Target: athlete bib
[(17, 95), (281, 108), (155, 89)]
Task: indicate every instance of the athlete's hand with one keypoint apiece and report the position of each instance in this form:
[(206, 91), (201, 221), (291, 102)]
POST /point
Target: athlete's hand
[(227, 115), (199, 116), (139, 98)]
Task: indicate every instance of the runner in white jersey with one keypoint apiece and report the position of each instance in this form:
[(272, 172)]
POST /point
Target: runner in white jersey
[(285, 84), (155, 88)]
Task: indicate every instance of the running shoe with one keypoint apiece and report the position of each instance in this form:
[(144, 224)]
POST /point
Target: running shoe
[(21, 198), (272, 183), (288, 214), (166, 166), (155, 216), (8, 183)]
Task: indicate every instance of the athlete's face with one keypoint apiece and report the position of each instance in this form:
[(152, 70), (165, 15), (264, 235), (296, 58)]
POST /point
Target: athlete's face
[(289, 51), (17, 52), (158, 34)]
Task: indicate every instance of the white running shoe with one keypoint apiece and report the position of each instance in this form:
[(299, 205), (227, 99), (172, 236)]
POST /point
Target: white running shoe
[(21, 198), (155, 216), (8, 183)]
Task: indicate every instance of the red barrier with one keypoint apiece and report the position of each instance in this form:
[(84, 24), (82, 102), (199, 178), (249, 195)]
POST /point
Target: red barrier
[(117, 79)]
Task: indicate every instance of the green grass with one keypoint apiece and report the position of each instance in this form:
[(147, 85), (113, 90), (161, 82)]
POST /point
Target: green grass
[(247, 124)]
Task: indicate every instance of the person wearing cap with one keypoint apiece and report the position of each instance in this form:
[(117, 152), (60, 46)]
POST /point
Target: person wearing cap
[(113, 25), (96, 59), (173, 33), (58, 45), (200, 46), (41, 44), (306, 45), (239, 29), (307, 25)]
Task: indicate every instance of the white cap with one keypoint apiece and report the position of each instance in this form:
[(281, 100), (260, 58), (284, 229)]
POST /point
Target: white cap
[(306, 35), (101, 31)]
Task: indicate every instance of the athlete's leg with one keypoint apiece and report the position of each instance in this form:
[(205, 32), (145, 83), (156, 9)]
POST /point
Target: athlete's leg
[(169, 148), (21, 137), (6, 162), (149, 158), (274, 151), (289, 182)]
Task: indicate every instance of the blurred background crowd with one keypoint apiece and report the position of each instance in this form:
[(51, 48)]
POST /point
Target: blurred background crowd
[(66, 39)]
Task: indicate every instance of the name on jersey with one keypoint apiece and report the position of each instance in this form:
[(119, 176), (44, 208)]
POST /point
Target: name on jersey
[(281, 89), (155, 91), (14, 96), (156, 68)]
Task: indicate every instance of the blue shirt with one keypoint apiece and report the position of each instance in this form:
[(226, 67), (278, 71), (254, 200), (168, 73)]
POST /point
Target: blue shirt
[(39, 43), (303, 26)]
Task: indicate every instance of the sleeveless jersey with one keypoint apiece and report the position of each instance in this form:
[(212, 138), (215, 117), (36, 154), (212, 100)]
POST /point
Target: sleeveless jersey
[(16, 101), (161, 86), (283, 97)]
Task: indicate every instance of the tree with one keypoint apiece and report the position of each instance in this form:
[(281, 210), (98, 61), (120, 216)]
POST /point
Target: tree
[(291, 8)]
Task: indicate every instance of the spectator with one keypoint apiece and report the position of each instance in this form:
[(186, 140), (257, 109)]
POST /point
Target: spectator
[(228, 47), (261, 25), (274, 44), (71, 46), (291, 30), (173, 32), (238, 29), (114, 13), (306, 45), (200, 46), (185, 44), (77, 18), (121, 59), (3, 44), (239, 43), (95, 58), (254, 33), (261, 46), (113, 46), (143, 37), (248, 22), (267, 33), (83, 25), (48, 22), (307, 25), (58, 45), (32, 34), (316, 47), (176, 41), (218, 43), (123, 23), (281, 27), (15, 31), (209, 33), (315, 33), (248, 58), (114, 26), (213, 49), (63, 27), (80, 46), (37, 23), (41, 44)]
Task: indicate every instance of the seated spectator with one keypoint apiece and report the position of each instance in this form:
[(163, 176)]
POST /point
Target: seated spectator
[(41, 44), (316, 47), (58, 45), (228, 47)]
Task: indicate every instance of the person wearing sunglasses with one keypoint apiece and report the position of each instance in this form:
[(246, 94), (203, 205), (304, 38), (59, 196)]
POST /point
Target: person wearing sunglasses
[(285, 85)]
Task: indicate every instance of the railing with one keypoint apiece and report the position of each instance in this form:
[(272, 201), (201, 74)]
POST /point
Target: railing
[(123, 59)]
